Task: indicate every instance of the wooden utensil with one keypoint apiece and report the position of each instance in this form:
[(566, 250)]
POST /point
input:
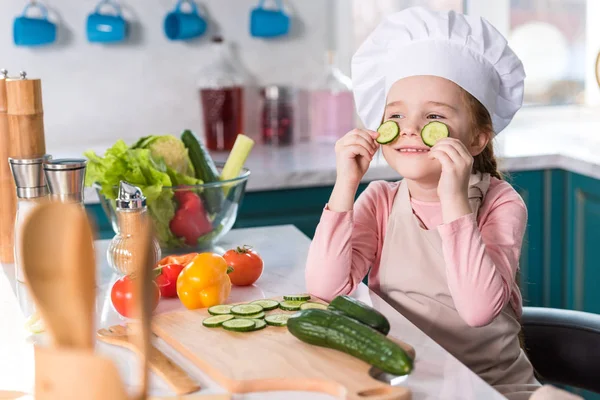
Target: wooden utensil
[(176, 377), (60, 271), (24, 396), (25, 117), (270, 359), (142, 267), (8, 198)]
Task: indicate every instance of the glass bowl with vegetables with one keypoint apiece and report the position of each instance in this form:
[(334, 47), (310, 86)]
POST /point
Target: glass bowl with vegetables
[(192, 201)]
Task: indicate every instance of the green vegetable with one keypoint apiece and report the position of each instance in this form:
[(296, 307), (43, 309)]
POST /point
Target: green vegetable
[(235, 162), (205, 170), (217, 320), (140, 168), (434, 131), (388, 132), (297, 297), (246, 309), (290, 305), (277, 319), (259, 315), (309, 304), (361, 312), (239, 325), (171, 150), (267, 304), (259, 324), (336, 331), (220, 309)]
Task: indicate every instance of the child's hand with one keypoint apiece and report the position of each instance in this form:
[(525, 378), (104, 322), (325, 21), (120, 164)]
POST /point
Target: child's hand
[(457, 164), (354, 152)]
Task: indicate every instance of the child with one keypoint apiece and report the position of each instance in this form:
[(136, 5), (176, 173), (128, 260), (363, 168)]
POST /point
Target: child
[(442, 245)]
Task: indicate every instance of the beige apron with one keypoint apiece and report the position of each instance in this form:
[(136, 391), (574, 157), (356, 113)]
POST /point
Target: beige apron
[(413, 280)]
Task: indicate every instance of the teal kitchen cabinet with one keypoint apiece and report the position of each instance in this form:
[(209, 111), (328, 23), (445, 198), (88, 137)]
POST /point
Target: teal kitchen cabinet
[(582, 278)]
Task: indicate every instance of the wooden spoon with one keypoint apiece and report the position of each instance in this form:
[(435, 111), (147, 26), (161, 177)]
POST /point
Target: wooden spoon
[(143, 292), (60, 271), (176, 377)]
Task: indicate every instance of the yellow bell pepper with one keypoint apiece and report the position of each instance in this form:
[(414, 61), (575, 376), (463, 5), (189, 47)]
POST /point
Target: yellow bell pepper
[(204, 282)]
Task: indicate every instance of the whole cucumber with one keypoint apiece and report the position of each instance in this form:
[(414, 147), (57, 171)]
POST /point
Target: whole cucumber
[(361, 312), (329, 329), (206, 170)]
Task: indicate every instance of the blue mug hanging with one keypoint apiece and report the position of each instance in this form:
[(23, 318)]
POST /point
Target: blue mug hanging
[(29, 31), (181, 25), (269, 22), (106, 28)]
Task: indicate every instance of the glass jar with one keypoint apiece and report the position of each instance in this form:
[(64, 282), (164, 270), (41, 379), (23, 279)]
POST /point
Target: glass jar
[(220, 87), (277, 115), (331, 104)]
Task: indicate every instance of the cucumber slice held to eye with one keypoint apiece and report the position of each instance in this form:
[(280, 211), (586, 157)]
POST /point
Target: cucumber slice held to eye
[(388, 132), (434, 131)]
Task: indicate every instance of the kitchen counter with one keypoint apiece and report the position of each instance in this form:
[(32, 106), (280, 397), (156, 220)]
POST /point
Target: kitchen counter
[(565, 138), (437, 374)]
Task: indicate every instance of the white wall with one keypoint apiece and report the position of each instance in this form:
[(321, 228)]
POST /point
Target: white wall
[(95, 94)]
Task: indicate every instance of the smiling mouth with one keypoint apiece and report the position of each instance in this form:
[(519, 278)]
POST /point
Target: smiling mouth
[(407, 150)]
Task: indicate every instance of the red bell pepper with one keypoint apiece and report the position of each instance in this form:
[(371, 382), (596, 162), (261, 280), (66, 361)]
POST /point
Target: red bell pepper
[(190, 221)]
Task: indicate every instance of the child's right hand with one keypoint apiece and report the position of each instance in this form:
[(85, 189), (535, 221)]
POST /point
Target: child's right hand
[(353, 153)]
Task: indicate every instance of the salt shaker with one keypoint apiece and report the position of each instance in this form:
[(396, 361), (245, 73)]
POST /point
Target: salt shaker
[(65, 179), (31, 192), (131, 209)]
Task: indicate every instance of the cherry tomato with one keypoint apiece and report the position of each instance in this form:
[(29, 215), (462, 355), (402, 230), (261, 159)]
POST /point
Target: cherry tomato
[(246, 263), (122, 296), (167, 279)]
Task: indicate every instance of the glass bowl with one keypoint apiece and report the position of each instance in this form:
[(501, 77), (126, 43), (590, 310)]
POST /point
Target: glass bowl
[(190, 218)]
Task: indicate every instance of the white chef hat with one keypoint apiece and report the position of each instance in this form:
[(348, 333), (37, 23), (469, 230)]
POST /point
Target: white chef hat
[(466, 50)]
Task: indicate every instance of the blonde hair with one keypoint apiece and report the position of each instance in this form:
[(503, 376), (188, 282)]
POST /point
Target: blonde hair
[(481, 121)]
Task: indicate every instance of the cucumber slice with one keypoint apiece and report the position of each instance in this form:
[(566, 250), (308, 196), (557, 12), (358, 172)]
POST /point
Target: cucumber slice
[(220, 310), (216, 320), (290, 305), (434, 131), (259, 324), (310, 304), (259, 315), (277, 319), (267, 304), (297, 297), (246, 309), (388, 132), (239, 325)]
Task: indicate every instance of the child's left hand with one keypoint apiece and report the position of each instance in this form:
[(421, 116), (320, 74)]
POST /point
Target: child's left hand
[(457, 164)]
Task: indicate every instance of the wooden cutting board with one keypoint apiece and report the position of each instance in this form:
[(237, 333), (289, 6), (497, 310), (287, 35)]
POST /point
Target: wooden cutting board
[(270, 359)]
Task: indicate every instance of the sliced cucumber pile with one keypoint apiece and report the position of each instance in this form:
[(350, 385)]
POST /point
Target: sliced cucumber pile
[(216, 320), (246, 309), (309, 304), (434, 131), (291, 305), (220, 310), (239, 325), (267, 304), (388, 132), (254, 315), (296, 297), (277, 319)]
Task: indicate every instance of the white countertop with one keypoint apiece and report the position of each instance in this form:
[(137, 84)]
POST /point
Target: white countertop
[(437, 374), (538, 138)]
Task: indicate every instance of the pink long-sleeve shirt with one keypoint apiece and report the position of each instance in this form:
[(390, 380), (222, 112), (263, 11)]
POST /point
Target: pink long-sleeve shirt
[(481, 254)]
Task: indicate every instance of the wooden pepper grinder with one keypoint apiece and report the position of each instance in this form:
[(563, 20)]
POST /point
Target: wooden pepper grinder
[(25, 117), (8, 201)]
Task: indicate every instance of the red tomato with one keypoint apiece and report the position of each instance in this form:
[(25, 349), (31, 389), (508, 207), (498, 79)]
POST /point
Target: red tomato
[(246, 263), (167, 279), (122, 299)]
